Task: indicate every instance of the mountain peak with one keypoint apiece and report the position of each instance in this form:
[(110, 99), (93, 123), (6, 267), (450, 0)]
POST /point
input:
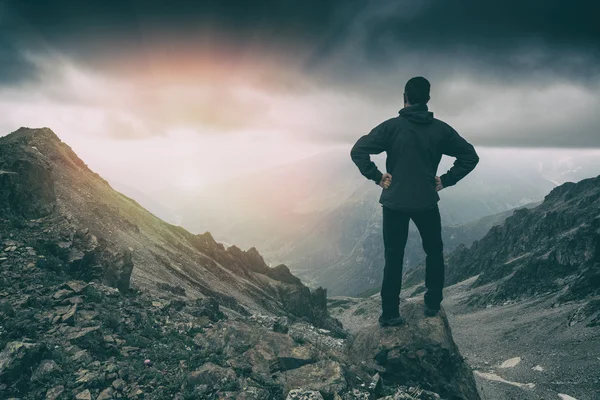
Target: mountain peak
[(25, 133)]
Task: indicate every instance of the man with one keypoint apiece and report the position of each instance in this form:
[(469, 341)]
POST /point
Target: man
[(414, 142)]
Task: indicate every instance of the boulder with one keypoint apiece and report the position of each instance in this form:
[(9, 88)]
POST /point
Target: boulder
[(207, 307), (91, 258), (117, 269), (258, 350), (85, 395), (212, 375), (421, 353), (45, 371), (26, 185), (325, 376), (16, 358), (55, 392)]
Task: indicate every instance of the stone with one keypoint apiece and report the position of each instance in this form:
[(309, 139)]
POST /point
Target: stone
[(253, 393), (28, 186), (69, 316), (88, 314), (82, 356), (76, 286), (55, 392), (61, 293), (106, 394), (135, 393), (73, 300), (45, 370), (117, 270), (300, 394), (118, 384), (325, 376), (85, 395), (86, 376), (376, 383), (125, 350), (77, 333), (356, 395), (212, 375), (208, 307)]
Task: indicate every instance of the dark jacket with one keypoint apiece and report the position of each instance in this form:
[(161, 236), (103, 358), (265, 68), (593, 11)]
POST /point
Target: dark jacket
[(414, 142)]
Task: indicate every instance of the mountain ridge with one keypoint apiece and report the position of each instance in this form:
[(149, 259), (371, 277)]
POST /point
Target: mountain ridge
[(551, 248), (168, 253)]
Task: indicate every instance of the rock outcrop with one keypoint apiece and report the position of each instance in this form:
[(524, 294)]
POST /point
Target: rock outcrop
[(26, 181), (420, 353)]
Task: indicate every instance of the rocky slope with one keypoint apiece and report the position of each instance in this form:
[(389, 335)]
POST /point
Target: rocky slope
[(79, 219), (101, 300), (552, 248)]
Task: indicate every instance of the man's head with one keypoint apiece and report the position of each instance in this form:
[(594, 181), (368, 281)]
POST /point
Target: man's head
[(416, 91)]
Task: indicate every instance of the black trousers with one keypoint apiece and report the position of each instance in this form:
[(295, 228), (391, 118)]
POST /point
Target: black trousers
[(395, 234)]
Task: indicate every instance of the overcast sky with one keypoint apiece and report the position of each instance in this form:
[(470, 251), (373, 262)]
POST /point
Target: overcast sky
[(157, 93)]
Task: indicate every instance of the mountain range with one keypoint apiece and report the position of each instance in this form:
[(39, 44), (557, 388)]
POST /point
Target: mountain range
[(322, 218), (551, 248)]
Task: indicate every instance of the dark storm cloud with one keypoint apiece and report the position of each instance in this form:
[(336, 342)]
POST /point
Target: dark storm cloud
[(511, 34), (15, 67), (364, 48)]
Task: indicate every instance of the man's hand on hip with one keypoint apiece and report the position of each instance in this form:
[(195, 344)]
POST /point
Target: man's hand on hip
[(438, 184), (386, 181)]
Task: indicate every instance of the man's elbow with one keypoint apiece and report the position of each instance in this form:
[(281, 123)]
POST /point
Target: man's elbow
[(356, 154), (475, 160)]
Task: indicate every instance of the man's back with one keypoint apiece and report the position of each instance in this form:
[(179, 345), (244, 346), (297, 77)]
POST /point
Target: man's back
[(414, 142)]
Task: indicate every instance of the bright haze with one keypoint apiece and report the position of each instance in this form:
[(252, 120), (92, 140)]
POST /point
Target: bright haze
[(166, 97)]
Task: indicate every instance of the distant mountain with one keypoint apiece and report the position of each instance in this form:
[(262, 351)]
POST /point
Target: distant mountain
[(320, 217), (278, 205), (361, 267), (552, 248)]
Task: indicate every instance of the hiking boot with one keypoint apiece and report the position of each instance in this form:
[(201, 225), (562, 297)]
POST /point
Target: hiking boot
[(393, 321), (431, 311)]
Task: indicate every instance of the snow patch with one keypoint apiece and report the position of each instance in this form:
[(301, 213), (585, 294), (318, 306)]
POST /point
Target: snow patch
[(511, 362), (496, 378), (566, 397), (538, 368)]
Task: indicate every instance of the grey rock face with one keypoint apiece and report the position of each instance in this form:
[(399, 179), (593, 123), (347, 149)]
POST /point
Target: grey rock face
[(16, 357), (420, 353), (539, 250), (26, 184)]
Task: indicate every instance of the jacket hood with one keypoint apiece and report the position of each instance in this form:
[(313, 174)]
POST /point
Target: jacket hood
[(418, 113)]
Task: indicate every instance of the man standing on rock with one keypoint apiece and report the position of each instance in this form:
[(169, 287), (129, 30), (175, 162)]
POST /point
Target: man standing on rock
[(414, 142)]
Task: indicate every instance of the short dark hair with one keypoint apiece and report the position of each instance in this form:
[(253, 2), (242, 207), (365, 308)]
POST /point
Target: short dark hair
[(416, 90)]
